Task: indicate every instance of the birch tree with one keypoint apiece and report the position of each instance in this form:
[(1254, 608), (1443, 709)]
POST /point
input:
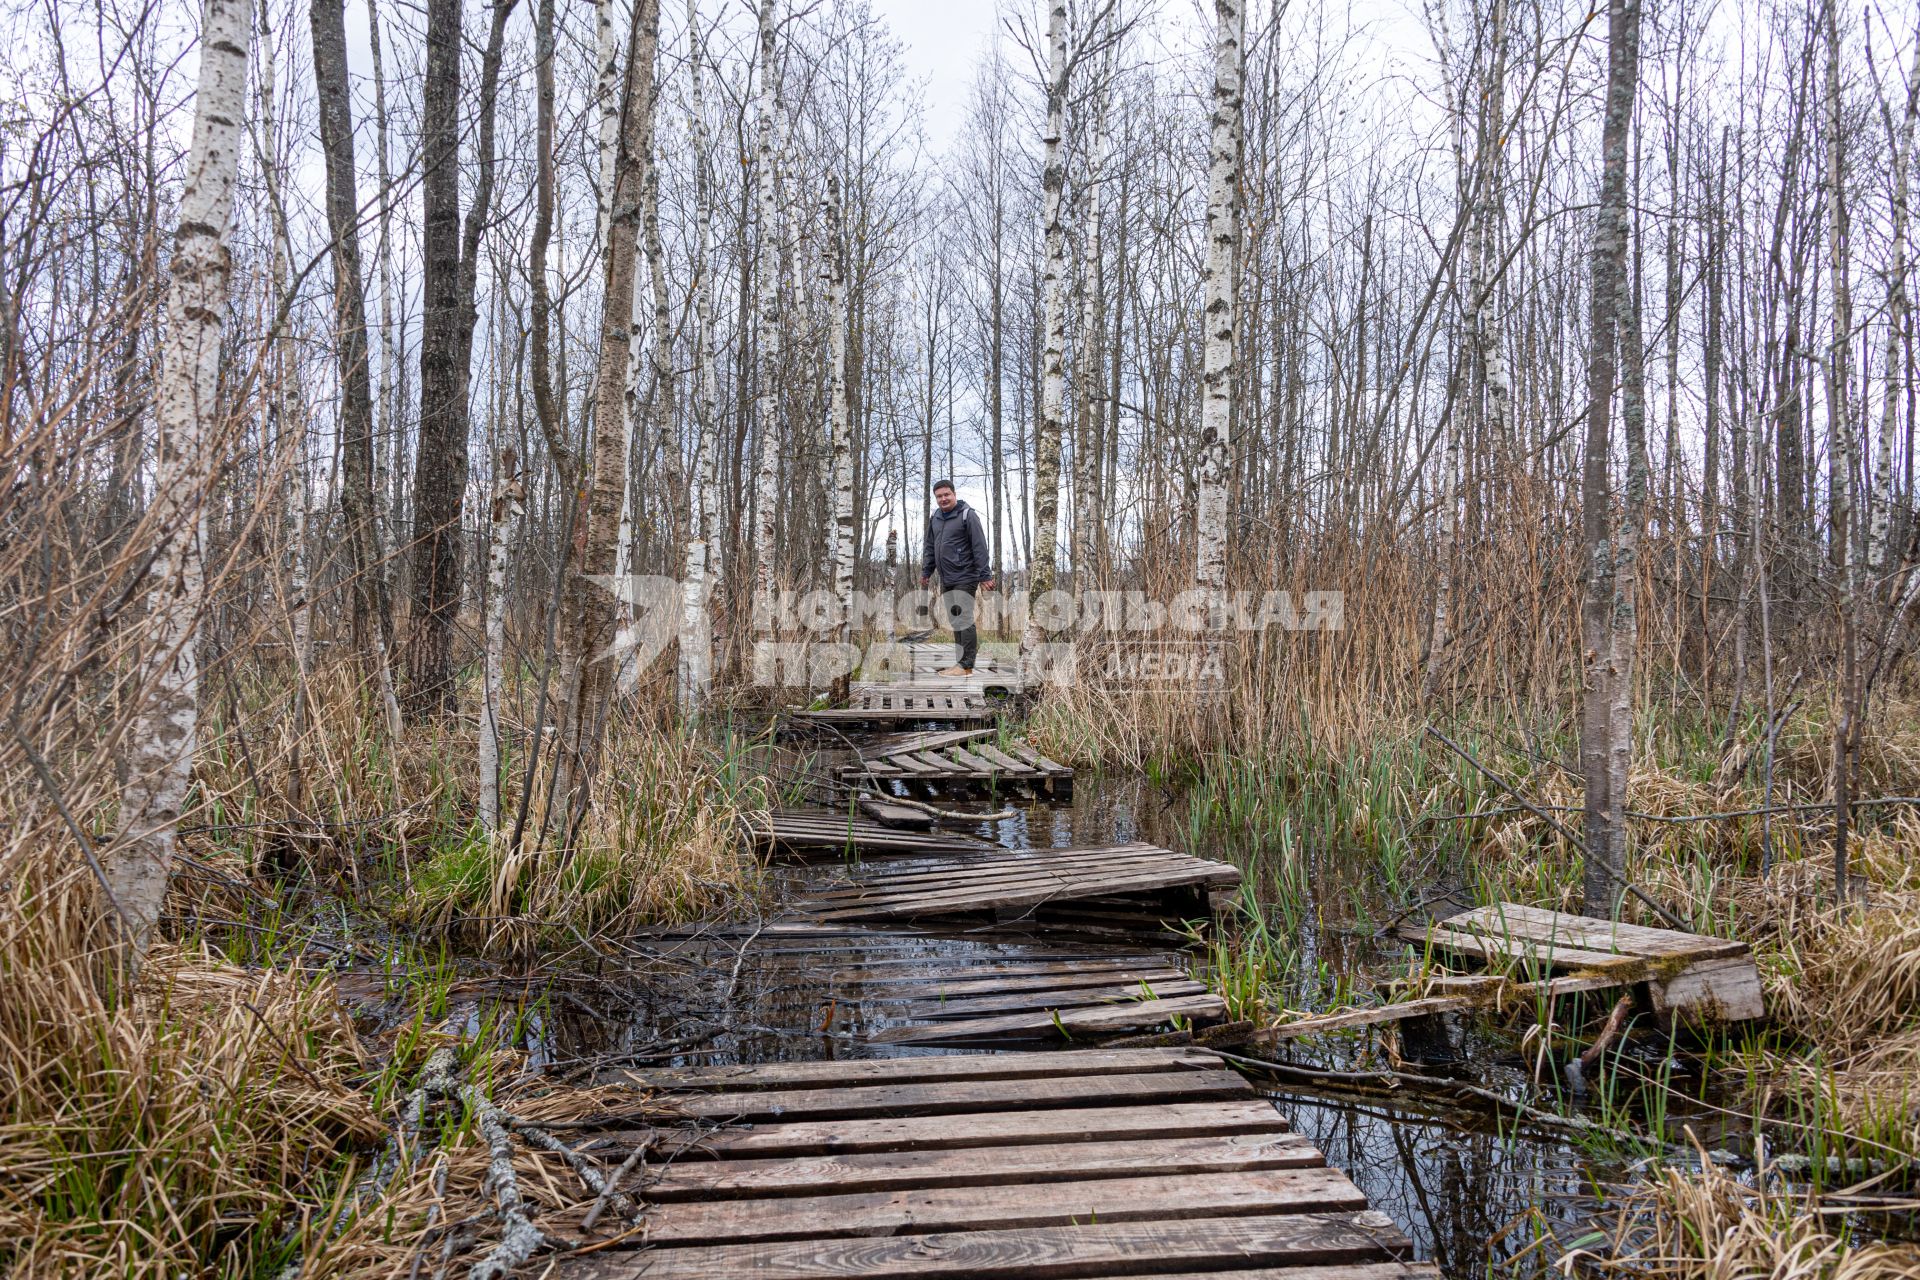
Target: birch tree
[(840, 421), (509, 496), (161, 738), (1223, 239), (767, 309), (703, 562), (1052, 421)]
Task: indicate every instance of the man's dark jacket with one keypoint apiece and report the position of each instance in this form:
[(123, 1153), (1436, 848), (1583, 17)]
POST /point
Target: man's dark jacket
[(957, 547)]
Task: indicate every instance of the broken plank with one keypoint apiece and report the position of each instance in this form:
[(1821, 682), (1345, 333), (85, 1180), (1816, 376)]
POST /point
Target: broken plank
[(1067, 1022), (1561, 929), (1056, 998)]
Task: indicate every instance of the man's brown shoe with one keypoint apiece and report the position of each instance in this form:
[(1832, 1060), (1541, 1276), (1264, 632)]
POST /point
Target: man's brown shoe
[(956, 671)]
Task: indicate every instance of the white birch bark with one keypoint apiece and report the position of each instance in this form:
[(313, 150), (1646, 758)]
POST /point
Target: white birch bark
[(1053, 389), (1223, 238), (606, 93), (387, 427), (509, 496), (1880, 520), (161, 741), (767, 282), (703, 558), (1086, 451), (840, 421)]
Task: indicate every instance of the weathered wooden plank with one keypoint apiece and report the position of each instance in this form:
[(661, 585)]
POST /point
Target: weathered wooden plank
[(1094, 1020), (956, 1097), (985, 1129), (1004, 1208), (968, 1066), (1710, 992), (918, 969), (1056, 998), (1559, 929), (1043, 1253), (1351, 1271), (980, 1166), (966, 988), (1495, 950), (1033, 891), (1006, 870), (1004, 762)]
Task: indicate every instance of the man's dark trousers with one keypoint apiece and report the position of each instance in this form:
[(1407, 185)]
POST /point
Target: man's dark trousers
[(958, 600)]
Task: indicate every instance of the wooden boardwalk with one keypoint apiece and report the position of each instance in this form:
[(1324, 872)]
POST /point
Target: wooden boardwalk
[(1134, 1162), (818, 831), (1010, 884), (966, 758)]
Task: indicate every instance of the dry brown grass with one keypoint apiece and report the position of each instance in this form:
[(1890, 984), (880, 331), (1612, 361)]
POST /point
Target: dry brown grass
[(1709, 1225), (174, 1132)]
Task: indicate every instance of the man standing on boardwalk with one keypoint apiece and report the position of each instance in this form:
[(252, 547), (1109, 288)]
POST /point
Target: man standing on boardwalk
[(956, 546)]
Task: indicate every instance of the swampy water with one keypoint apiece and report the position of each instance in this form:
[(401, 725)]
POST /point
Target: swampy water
[(1476, 1194)]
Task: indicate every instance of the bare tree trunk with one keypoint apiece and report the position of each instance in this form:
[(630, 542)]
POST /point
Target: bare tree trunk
[(1211, 526), (840, 423), (1843, 448), (586, 627), (509, 495), (358, 507), (703, 567), (766, 401), (449, 278), (1043, 566), (388, 435), (160, 742), (1090, 410), (1608, 303)]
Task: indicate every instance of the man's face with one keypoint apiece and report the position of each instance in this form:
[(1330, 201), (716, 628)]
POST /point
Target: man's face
[(944, 496)]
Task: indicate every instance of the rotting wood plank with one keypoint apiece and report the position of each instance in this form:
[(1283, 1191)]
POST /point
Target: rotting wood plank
[(968, 988), (995, 869), (1044, 1253), (833, 1074), (1557, 928), (980, 1166), (1361, 1271), (955, 1097), (918, 970), (1056, 998), (1042, 883), (1094, 1020), (984, 1129), (1494, 950), (1032, 892), (1002, 1208)]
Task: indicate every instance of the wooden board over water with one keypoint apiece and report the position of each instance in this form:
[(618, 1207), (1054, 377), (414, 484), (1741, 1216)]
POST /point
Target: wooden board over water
[(1095, 1163), (1014, 884), (1688, 976), (805, 831), (967, 758), (915, 692)]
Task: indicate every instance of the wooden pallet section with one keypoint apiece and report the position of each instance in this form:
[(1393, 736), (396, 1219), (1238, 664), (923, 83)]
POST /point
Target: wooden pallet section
[(1132, 1162), (974, 1003), (1686, 977), (804, 831), (964, 758), (1014, 884), (905, 703)]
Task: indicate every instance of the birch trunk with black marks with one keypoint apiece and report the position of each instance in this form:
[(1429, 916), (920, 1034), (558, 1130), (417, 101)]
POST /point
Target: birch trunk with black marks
[(509, 496), (1223, 240), (1608, 304), (840, 419), (1843, 451), (703, 560), (1090, 408), (161, 738), (1043, 566), (767, 311)]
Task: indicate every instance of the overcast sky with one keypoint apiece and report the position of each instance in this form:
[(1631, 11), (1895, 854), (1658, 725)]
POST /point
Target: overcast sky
[(943, 38)]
